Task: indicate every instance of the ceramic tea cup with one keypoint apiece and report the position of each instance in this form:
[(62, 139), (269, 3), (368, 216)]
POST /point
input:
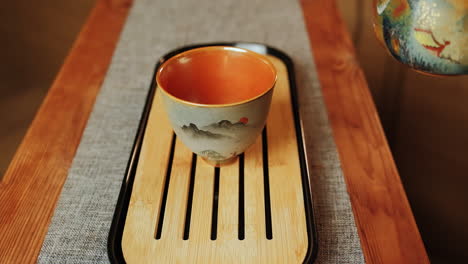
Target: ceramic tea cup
[(217, 99)]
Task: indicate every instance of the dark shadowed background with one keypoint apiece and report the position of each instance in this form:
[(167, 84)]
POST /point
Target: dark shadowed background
[(35, 39)]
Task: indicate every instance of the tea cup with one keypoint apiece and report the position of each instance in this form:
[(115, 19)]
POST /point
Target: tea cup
[(217, 99)]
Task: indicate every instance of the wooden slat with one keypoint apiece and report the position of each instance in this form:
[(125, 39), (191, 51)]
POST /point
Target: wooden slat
[(227, 236), (254, 194), (200, 228), (143, 211), (176, 204), (255, 203), (34, 179), (228, 202), (384, 219), (287, 201)]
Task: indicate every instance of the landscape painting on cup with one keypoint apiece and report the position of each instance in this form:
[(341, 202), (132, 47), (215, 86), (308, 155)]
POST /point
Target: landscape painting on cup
[(428, 35), (223, 132)]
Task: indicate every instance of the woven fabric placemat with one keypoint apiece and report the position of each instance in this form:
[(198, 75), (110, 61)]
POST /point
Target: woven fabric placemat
[(80, 225)]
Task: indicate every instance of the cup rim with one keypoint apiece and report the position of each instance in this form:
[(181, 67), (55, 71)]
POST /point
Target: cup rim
[(235, 49)]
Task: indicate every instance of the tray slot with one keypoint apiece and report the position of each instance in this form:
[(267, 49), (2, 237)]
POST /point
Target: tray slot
[(188, 212), (214, 211), (241, 206), (266, 186)]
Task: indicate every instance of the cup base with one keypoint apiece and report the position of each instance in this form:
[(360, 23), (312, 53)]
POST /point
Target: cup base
[(220, 163)]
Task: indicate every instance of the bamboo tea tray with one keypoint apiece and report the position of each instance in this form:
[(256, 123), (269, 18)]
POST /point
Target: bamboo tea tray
[(175, 208)]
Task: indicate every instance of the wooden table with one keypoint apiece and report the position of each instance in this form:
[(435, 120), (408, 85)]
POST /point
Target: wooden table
[(32, 184)]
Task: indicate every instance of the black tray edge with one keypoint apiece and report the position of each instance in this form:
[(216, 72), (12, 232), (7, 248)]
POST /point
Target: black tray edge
[(114, 247)]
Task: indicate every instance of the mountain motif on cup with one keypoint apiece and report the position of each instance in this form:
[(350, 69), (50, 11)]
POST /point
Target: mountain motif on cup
[(223, 129), (193, 131)]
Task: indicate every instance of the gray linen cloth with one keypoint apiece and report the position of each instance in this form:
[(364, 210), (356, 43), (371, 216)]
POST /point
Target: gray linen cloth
[(80, 225)]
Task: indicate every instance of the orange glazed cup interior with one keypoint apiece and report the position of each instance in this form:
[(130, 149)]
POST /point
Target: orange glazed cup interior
[(216, 75)]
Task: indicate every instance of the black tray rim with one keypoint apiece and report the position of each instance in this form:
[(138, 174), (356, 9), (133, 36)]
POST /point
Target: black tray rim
[(114, 246)]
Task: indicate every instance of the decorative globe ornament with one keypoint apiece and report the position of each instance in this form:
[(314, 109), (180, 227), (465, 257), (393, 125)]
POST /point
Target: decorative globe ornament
[(428, 35)]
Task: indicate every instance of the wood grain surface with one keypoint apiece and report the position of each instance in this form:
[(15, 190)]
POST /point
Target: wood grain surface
[(31, 186), (383, 216), (288, 215)]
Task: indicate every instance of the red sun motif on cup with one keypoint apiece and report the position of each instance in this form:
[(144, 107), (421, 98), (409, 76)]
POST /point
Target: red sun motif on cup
[(244, 120)]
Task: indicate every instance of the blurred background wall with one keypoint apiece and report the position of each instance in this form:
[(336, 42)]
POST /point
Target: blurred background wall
[(425, 118), (35, 39)]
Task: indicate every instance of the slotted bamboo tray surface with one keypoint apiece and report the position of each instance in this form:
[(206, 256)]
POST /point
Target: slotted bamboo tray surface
[(182, 210)]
